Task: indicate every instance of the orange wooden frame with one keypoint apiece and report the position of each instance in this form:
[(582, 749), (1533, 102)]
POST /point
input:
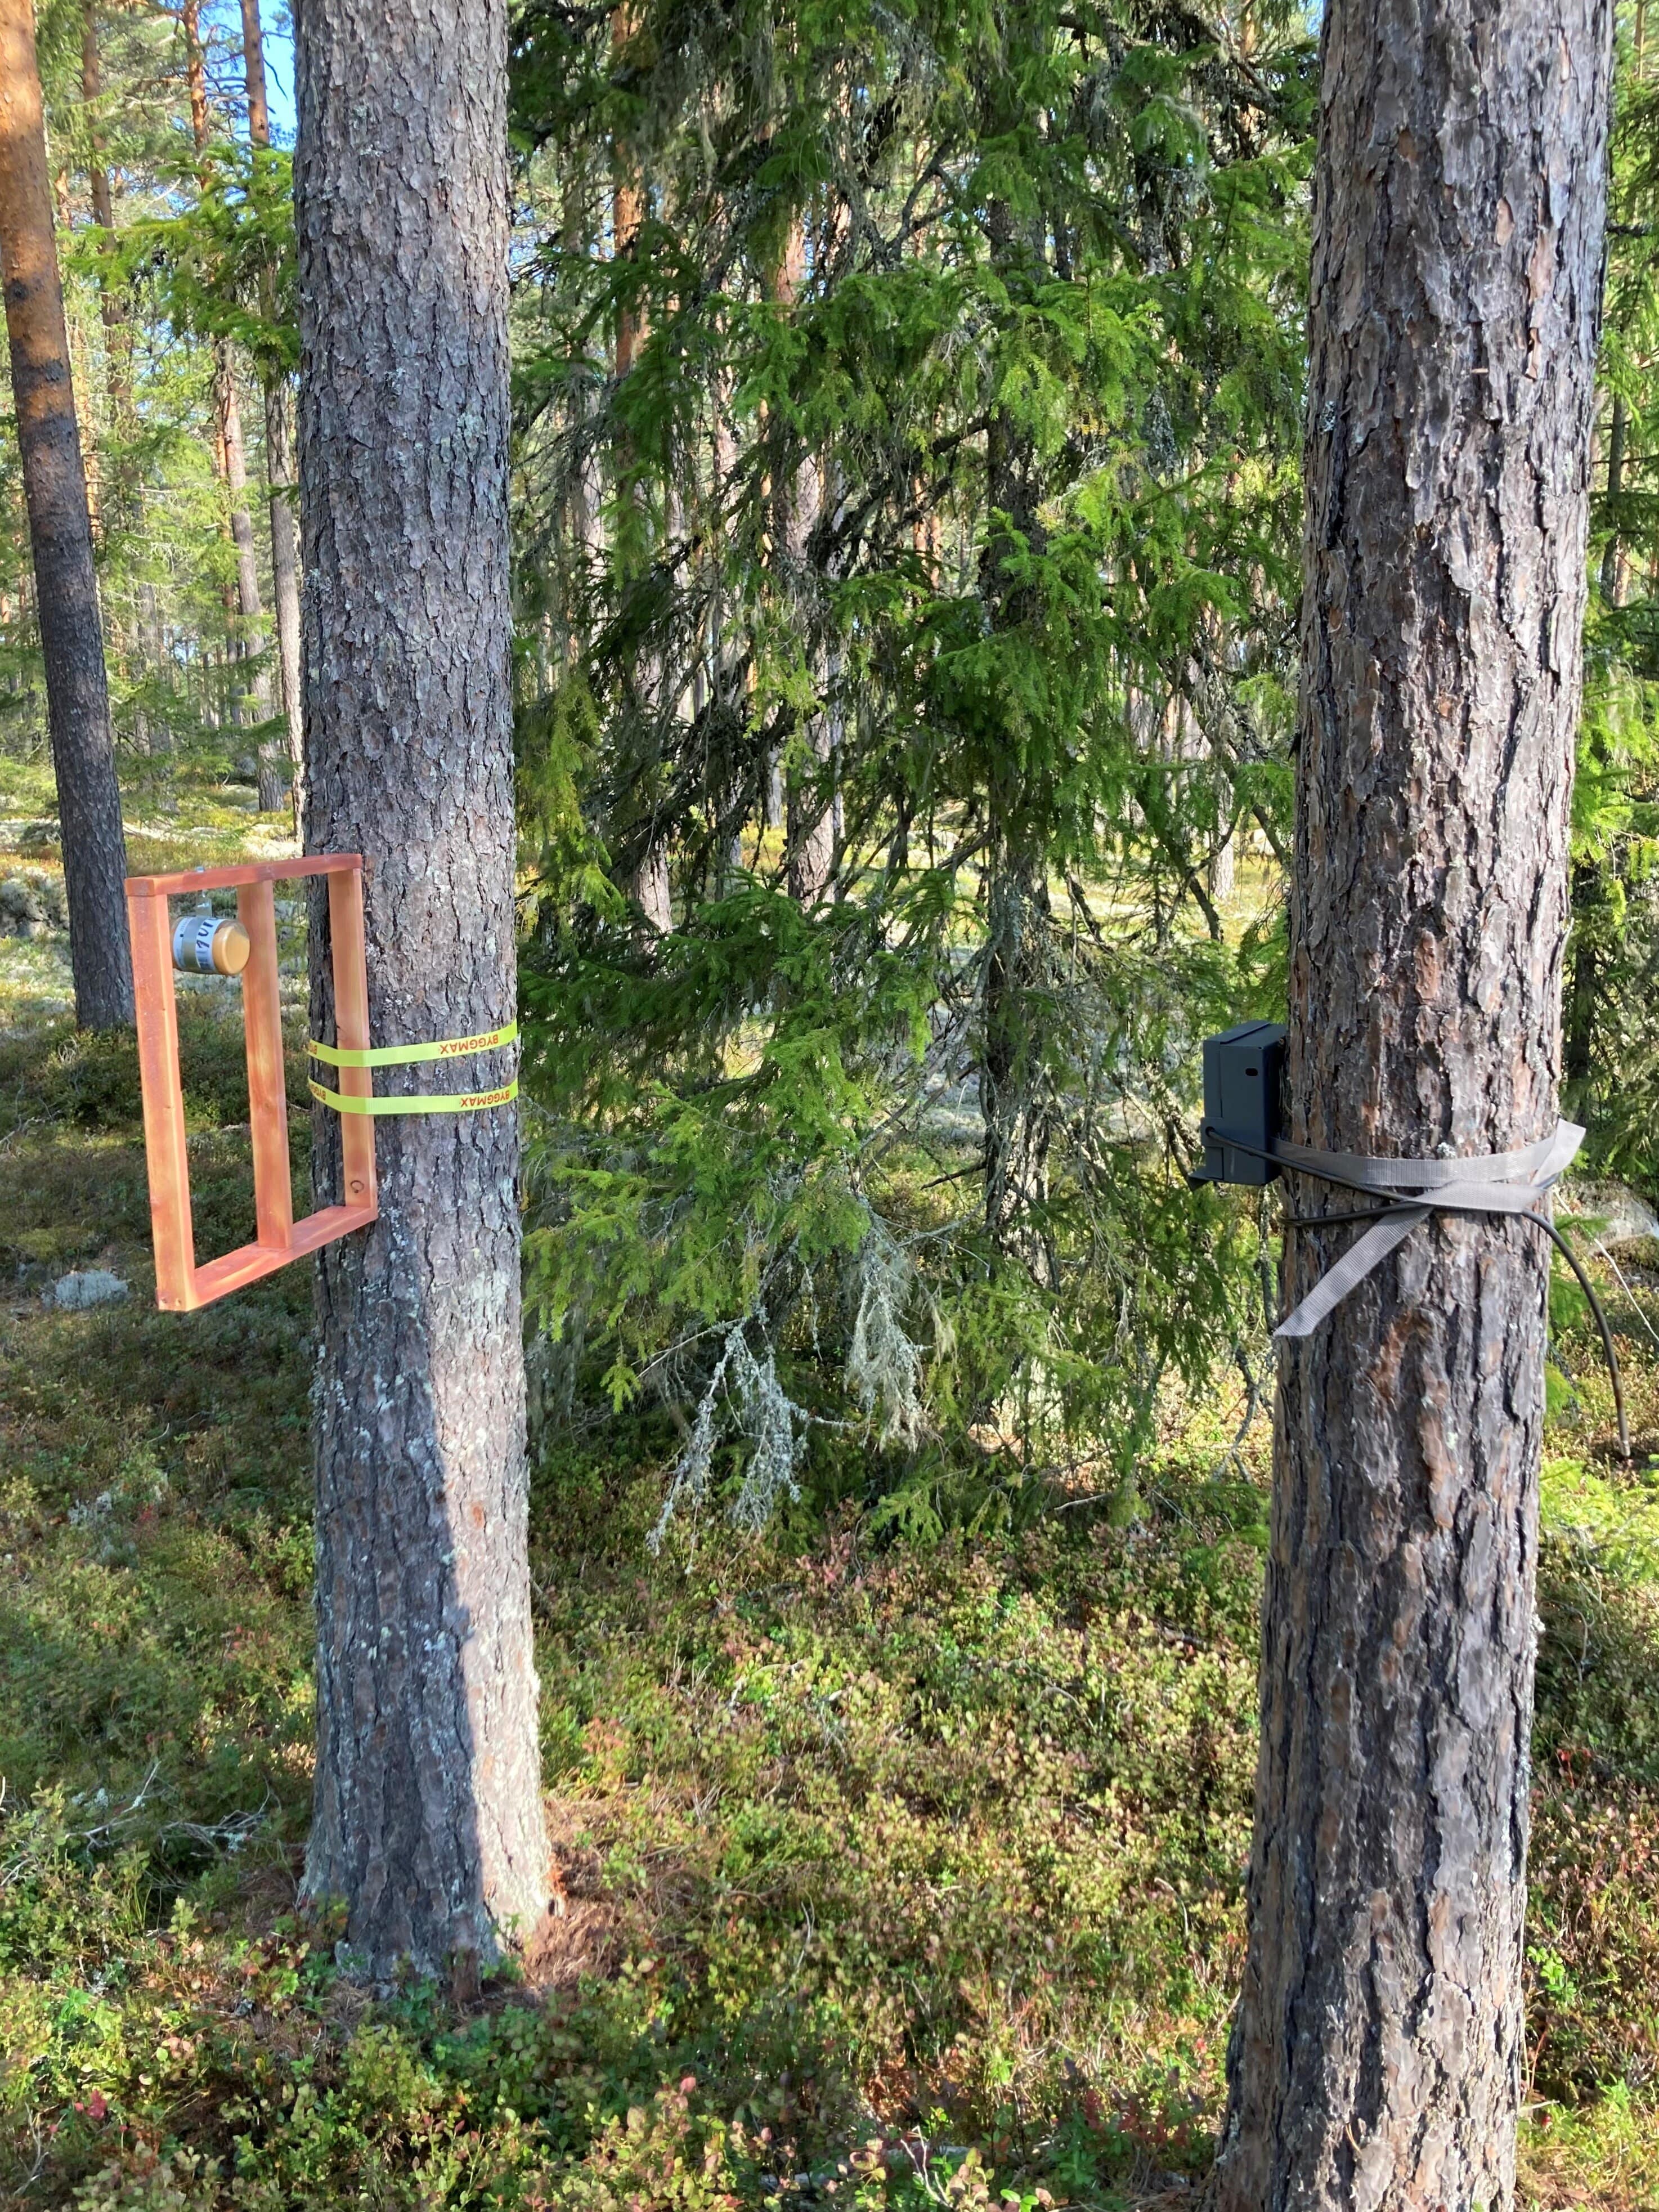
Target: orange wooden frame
[(180, 1284)]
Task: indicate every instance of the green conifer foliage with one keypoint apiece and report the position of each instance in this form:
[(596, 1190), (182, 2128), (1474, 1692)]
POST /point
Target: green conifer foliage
[(1611, 1014), (977, 536)]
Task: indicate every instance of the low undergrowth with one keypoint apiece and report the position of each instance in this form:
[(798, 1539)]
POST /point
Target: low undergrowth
[(897, 1872)]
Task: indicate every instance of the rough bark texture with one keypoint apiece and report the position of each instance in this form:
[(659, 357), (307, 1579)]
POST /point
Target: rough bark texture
[(1460, 190), (60, 536), (428, 1817)]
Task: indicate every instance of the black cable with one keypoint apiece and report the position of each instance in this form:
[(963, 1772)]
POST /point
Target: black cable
[(1589, 1289)]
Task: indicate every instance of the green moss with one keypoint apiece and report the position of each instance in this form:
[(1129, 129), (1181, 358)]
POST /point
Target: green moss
[(912, 1867)]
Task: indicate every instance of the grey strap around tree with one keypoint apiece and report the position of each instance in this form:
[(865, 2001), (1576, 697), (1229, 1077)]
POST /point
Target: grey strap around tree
[(1497, 1182)]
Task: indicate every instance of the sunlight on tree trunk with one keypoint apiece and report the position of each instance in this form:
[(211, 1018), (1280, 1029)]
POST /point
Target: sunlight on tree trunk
[(427, 1819), (279, 461), (254, 699), (60, 533), (1459, 198)]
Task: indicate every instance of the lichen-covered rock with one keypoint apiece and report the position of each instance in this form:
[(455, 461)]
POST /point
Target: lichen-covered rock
[(91, 1286), (31, 904)]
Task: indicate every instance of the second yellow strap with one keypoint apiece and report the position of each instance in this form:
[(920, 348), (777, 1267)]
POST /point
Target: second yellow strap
[(446, 1101)]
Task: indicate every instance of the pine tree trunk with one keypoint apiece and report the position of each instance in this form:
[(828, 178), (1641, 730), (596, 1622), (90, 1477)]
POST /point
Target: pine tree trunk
[(279, 457), (1613, 563), (254, 697), (810, 834), (1224, 857), (253, 701), (809, 807), (253, 75), (60, 535), (111, 294), (1378, 2057), (1018, 1115), (648, 882), (428, 1818), (285, 576)]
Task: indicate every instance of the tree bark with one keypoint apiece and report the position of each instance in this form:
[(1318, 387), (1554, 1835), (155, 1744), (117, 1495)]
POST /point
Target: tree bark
[(649, 882), (1014, 1085), (1377, 2060), (1613, 563), (809, 807), (253, 699), (253, 75), (427, 1819), (60, 535), (285, 576), (1224, 856), (279, 457), (111, 296), (255, 696)]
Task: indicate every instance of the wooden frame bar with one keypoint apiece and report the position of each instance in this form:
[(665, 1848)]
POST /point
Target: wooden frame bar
[(181, 1286)]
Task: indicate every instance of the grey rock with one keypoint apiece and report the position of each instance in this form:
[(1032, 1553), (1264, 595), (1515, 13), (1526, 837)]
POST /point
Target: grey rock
[(31, 904), (20, 901), (92, 1287), (1620, 1215)]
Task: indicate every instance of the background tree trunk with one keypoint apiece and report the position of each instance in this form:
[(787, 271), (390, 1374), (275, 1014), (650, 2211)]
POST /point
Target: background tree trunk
[(810, 819), (649, 881), (255, 699), (112, 293), (428, 1817), (1459, 205), (124, 508), (253, 702), (1014, 1095), (279, 457), (60, 536)]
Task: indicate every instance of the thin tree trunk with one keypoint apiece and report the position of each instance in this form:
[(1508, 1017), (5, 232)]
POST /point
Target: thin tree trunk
[(124, 507), (285, 576), (253, 75), (153, 636), (1224, 854), (1378, 2057), (256, 696), (279, 457), (1013, 1083), (810, 823), (725, 675), (427, 1819), (111, 296), (1224, 859), (60, 535), (1613, 560), (254, 699), (649, 883)]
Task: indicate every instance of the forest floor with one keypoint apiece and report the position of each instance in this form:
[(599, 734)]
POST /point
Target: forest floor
[(892, 1873)]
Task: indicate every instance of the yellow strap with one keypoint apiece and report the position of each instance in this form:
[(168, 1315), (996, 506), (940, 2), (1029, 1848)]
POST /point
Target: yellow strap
[(447, 1102), (400, 1056)]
